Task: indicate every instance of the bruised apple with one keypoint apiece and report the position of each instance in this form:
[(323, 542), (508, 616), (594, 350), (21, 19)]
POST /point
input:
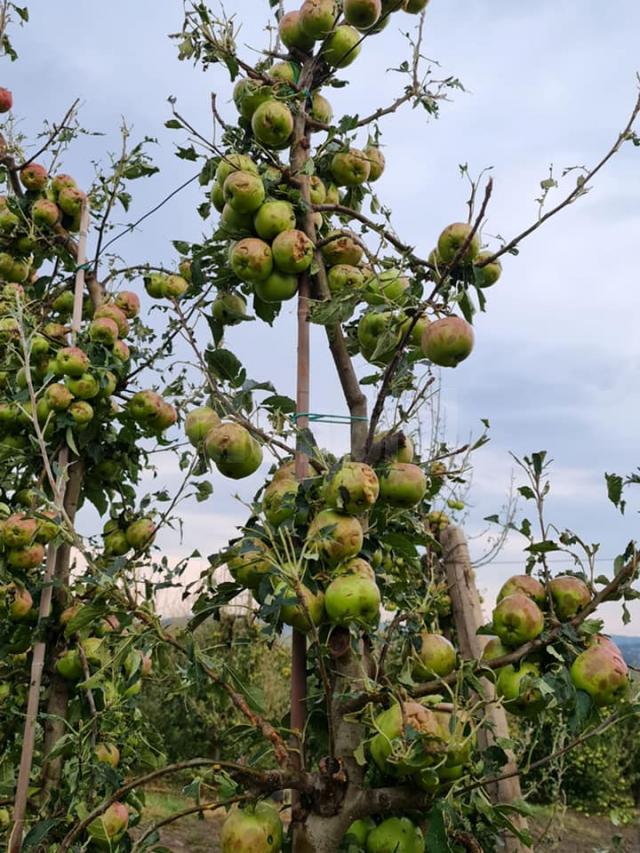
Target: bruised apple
[(396, 835), (317, 18), (198, 423), (321, 109), (255, 829), (353, 489), (272, 124), (435, 657), (292, 252), (402, 484), (376, 160), (517, 620), (350, 168), (294, 614), (569, 596), (244, 192), (336, 536), (448, 341), (292, 33), (234, 162), (516, 686), (251, 260), (602, 674), (108, 753), (525, 584), (453, 239), (353, 599), (250, 562), (341, 249), (395, 447), (273, 218), (279, 500), (234, 450), (408, 738), (108, 829)]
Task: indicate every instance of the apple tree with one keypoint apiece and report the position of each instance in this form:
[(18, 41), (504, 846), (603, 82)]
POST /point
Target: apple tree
[(392, 740)]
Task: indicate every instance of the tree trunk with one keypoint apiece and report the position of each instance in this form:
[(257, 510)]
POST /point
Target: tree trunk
[(467, 618)]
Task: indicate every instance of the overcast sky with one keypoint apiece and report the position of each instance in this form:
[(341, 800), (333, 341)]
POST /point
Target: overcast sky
[(557, 356)]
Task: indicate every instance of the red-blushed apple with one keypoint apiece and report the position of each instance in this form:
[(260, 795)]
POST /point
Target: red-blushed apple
[(6, 100), (279, 501), (81, 412), (166, 417), (128, 302), (274, 217), (516, 686), (342, 47), (234, 450), (350, 168), (18, 531), (121, 351), (103, 331), (336, 536), (569, 596), (318, 18), (34, 177), (434, 658), (250, 562), (18, 601), (448, 341), (292, 252), (517, 620), (256, 829), (602, 674), (251, 259), (198, 423), (244, 192), (453, 239), (70, 201), (72, 361), (112, 312), (26, 558), (527, 585), (110, 827), (272, 124), (410, 732), (292, 33), (402, 484), (61, 182), (354, 488), (144, 406)]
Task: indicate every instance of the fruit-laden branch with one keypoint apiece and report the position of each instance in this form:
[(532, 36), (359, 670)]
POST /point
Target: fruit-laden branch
[(199, 810), (580, 189), (625, 575), (260, 781), (393, 365)]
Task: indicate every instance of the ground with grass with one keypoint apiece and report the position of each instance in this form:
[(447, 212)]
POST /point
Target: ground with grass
[(564, 831)]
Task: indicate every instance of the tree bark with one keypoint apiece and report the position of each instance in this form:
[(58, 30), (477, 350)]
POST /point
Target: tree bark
[(467, 618)]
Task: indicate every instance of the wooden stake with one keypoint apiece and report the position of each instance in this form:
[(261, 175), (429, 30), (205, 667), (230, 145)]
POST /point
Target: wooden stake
[(467, 618), (39, 650)]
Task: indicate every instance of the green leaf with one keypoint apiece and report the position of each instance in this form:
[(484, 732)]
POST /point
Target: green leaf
[(173, 124), (280, 403), (437, 840), (225, 366), (614, 490), (543, 547), (39, 833)]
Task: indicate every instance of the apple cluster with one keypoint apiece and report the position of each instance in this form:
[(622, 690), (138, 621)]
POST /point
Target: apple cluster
[(519, 618)]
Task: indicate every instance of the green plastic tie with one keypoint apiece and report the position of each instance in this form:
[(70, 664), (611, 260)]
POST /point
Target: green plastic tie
[(316, 417)]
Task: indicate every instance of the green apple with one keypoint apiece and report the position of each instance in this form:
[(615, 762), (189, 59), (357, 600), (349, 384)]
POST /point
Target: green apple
[(435, 657), (402, 484), (277, 288), (244, 192), (350, 168), (453, 238), (517, 688), (272, 124), (256, 829), (602, 674), (527, 585), (273, 218), (336, 536), (250, 562), (251, 259), (448, 341), (569, 595), (292, 252), (342, 47), (517, 620), (354, 488), (234, 450), (198, 423), (353, 599)]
